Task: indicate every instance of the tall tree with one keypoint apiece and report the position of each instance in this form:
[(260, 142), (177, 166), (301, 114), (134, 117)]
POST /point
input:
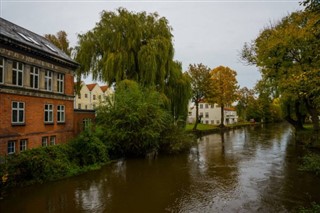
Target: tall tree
[(135, 46), (126, 45), (288, 55), (61, 41), (226, 86), (201, 85)]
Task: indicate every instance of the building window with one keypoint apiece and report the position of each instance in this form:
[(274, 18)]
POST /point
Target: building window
[(48, 80), (44, 141), (11, 147), (1, 70), (17, 73), (23, 145), (207, 115), (86, 95), (60, 83), (86, 123), (207, 106), (79, 96), (34, 77), (48, 113), (17, 112), (201, 106), (52, 140), (212, 106), (86, 106), (94, 97), (79, 106), (60, 114)]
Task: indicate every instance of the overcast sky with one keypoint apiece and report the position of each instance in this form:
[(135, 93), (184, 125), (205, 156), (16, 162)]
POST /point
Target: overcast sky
[(211, 32)]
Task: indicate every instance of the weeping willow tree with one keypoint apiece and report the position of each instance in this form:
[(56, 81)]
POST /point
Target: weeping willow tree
[(138, 47)]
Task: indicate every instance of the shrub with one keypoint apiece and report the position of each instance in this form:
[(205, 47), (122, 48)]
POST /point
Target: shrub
[(176, 140), (311, 163), (89, 149), (37, 165), (133, 120)]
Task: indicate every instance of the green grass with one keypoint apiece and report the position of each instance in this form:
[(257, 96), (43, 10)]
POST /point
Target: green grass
[(202, 127)]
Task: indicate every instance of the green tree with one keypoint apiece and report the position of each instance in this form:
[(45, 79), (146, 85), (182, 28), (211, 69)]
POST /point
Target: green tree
[(288, 55), (225, 85), (201, 85), (126, 45), (133, 121), (61, 41), (245, 98), (135, 46)]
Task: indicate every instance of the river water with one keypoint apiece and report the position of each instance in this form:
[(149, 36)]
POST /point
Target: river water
[(253, 169)]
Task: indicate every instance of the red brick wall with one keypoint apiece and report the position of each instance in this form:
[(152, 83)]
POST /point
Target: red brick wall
[(34, 128)]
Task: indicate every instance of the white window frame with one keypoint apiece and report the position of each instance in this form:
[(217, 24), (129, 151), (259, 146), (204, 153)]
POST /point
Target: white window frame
[(23, 145), (48, 80), (48, 113), (86, 123), (1, 70), (34, 77), (52, 140), (11, 149), (18, 73), (61, 114), (44, 141), (60, 83), (17, 110)]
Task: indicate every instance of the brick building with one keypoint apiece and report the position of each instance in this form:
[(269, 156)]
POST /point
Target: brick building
[(36, 91)]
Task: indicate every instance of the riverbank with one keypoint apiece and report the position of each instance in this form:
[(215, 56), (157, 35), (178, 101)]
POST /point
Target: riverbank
[(207, 129)]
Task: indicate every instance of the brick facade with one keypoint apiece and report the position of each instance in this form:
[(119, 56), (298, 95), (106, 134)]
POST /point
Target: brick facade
[(31, 115)]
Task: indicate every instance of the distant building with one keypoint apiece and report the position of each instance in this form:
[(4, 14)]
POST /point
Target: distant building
[(90, 96), (36, 91), (211, 114)]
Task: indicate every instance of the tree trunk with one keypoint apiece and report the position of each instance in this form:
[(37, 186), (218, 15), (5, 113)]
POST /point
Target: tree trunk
[(314, 116), (222, 116), (297, 124), (197, 116)]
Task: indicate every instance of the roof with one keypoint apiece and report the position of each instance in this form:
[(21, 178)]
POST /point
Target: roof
[(104, 88), (91, 86), (14, 35)]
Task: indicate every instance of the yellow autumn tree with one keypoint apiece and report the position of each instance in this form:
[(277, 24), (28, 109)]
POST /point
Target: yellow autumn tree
[(225, 86)]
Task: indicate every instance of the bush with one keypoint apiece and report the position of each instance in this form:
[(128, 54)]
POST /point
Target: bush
[(176, 140), (133, 121), (89, 149), (37, 165), (311, 163)]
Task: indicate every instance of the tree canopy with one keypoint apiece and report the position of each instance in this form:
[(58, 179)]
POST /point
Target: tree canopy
[(135, 46), (288, 55), (61, 41), (126, 45), (225, 85), (201, 85)]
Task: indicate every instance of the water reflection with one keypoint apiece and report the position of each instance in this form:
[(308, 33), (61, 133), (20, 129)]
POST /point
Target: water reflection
[(251, 169)]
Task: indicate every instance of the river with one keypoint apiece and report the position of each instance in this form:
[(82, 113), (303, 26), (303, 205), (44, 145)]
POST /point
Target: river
[(252, 169)]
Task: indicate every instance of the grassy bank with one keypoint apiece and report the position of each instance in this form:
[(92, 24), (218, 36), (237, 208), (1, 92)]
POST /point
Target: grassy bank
[(208, 128)]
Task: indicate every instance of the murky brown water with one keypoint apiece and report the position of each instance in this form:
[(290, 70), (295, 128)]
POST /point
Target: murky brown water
[(252, 169)]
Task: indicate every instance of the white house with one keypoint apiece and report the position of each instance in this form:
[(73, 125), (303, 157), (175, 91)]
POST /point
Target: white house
[(211, 114), (91, 95)]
